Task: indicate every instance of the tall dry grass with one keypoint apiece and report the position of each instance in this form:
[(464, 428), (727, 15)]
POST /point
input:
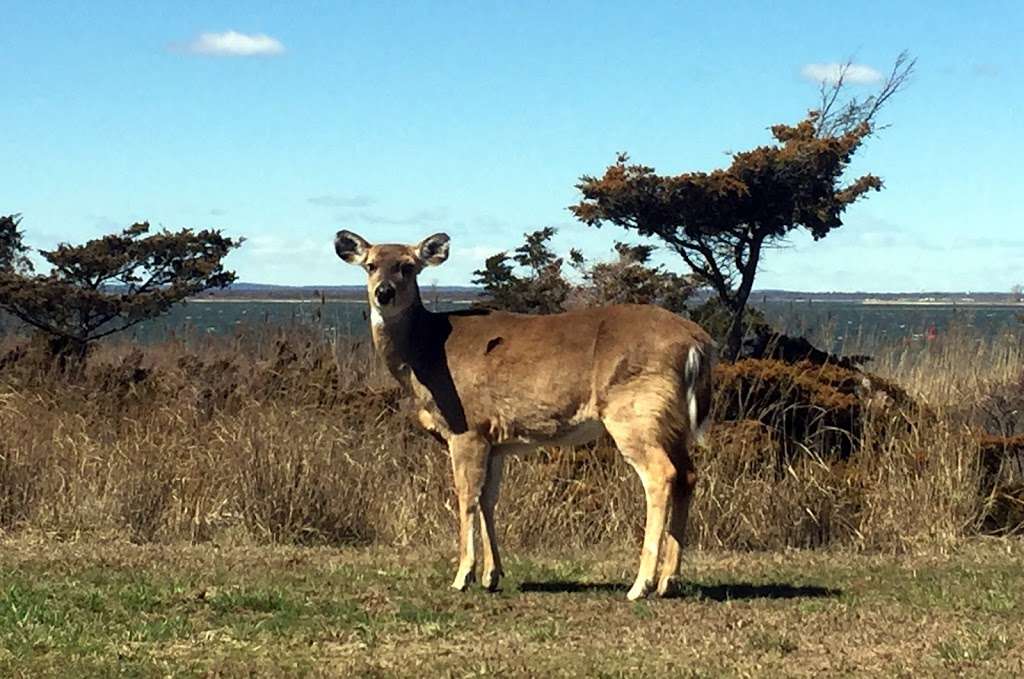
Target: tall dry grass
[(283, 436)]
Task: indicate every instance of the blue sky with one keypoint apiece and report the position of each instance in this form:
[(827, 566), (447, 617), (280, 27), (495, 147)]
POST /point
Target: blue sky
[(283, 123)]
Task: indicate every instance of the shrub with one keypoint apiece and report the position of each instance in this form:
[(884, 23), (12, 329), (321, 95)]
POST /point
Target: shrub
[(804, 405), (1002, 483), (107, 284), (537, 284)]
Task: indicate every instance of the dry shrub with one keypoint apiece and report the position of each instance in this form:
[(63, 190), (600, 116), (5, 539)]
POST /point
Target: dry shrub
[(1002, 483), (146, 490), (806, 406), (999, 414), (571, 496), (1002, 457), (283, 436), (922, 485), (746, 500), (22, 473), (1004, 511), (37, 460), (296, 483), (890, 493), (1000, 411)]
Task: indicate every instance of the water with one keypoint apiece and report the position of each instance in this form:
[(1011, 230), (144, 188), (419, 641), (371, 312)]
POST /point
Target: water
[(838, 325), (845, 324), (227, 317)]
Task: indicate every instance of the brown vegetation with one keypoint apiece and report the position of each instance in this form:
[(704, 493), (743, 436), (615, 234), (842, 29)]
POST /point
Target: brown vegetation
[(282, 436), (803, 404), (1002, 465)]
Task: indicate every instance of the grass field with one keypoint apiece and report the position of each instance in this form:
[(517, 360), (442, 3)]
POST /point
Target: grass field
[(113, 608)]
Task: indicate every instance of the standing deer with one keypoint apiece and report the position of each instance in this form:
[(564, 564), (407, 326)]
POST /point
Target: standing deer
[(491, 383)]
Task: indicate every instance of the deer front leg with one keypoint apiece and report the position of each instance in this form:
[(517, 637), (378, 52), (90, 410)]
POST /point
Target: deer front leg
[(469, 467)]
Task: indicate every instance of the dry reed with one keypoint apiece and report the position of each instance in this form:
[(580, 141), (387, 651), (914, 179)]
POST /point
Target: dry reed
[(283, 436)]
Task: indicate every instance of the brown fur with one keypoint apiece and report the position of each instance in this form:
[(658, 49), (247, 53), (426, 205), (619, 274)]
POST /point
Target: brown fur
[(491, 383)]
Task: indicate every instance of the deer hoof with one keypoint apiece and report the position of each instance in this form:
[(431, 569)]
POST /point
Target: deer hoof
[(640, 590), (490, 580), (670, 585), (462, 580)]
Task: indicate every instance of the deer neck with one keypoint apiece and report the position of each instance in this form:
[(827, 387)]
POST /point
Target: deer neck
[(393, 336)]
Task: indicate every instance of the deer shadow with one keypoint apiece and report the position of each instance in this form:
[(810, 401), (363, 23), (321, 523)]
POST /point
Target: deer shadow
[(736, 591)]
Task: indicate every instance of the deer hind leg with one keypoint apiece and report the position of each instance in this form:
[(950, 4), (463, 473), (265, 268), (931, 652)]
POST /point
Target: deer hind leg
[(682, 494), (488, 536), (469, 455), (638, 443)]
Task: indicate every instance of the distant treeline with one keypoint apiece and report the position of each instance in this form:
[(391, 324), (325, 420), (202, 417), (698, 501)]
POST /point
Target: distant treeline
[(471, 292)]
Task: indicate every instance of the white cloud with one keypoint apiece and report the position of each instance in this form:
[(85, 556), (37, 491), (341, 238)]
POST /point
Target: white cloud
[(855, 74), (235, 44)]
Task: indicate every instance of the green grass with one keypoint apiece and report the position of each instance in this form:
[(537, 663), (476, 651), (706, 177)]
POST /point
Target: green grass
[(106, 609)]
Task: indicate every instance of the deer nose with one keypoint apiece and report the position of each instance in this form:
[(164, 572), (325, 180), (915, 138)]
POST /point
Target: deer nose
[(384, 293)]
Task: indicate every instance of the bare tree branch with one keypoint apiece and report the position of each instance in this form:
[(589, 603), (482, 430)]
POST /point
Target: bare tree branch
[(836, 119)]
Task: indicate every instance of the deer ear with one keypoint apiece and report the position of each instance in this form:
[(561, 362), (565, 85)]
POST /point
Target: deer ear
[(433, 250), (351, 247)]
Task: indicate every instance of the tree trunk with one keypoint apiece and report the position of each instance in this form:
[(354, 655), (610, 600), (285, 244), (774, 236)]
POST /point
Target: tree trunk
[(68, 355), (738, 304), (734, 338)]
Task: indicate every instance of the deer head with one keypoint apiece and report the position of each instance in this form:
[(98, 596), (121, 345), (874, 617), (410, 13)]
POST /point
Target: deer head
[(391, 269)]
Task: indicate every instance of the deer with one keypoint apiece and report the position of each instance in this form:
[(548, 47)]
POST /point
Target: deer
[(490, 384)]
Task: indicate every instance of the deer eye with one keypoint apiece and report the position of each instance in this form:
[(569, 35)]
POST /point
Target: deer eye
[(371, 267), (408, 269)]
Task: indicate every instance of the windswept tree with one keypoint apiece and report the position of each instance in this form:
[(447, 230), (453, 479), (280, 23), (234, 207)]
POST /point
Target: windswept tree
[(111, 283), (721, 222)]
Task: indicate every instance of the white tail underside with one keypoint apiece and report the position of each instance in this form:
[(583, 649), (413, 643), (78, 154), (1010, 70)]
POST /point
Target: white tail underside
[(695, 363)]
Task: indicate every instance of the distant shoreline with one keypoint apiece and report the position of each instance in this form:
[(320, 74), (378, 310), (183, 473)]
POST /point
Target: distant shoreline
[(295, 300), (945, 303), (862, 302), (270, 300)]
